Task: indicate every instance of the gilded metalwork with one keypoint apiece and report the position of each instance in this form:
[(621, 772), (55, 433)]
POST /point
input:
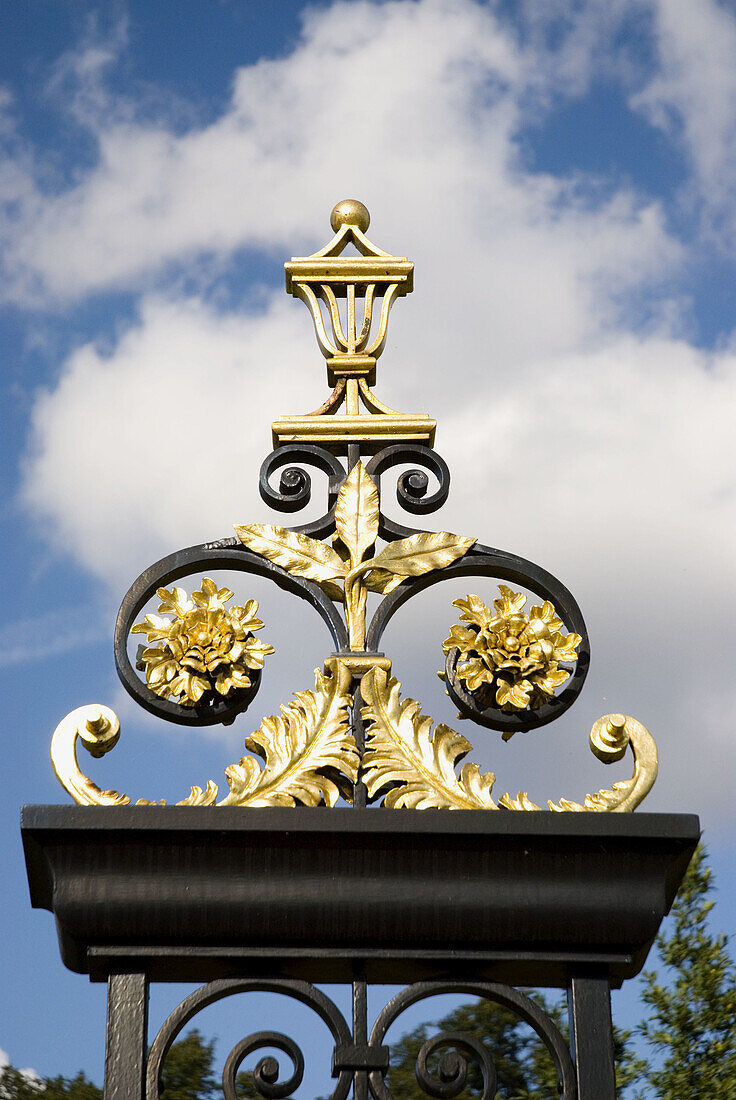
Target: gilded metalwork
[(328, 280), (309, 754), (416, 766), (98, 728), (412, 764), (508, 657), (342, 570), (505, 668), (206, 648)]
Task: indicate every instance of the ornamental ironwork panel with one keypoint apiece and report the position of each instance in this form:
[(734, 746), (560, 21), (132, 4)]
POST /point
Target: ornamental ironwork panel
[(512, 662)]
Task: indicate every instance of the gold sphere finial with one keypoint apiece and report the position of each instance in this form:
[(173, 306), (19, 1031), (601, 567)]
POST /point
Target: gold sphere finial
[(350, 212)]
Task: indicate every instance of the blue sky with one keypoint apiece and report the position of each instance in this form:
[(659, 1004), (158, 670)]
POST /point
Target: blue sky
[(564, 177)]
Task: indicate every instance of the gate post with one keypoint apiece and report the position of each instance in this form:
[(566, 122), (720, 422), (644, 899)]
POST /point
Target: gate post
[(271, 886)]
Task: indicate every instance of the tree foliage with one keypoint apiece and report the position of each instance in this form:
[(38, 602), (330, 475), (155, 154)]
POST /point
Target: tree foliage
[(16, 1085), (187, 1071), (690, 1023)]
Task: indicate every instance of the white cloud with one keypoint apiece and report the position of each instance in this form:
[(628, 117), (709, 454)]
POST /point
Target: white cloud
[(160, 438), (412, 106), (601, 454), (692, 98)]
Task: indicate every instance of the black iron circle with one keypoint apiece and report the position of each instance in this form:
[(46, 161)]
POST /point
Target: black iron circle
[(493, 716), (485, 561), (185, 563), (214, 991), (453, 1067), (295, 485), (504, 995)]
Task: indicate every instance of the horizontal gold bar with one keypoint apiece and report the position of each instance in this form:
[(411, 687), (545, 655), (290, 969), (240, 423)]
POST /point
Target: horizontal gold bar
[(351, 366), (360, 663), (351, 429), (360, 269)]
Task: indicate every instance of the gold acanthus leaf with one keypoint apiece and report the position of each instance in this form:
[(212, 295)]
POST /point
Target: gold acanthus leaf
[(417, 765), (304, 749), (310, 736), (357, 513)]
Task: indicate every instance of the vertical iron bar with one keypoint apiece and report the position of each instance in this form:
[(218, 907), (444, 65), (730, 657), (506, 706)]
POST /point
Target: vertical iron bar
[(127, 1036), (353, 455), (591, 1037), (360, 1031)]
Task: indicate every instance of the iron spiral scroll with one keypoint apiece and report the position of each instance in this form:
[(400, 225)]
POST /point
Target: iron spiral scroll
[(360, 1061)]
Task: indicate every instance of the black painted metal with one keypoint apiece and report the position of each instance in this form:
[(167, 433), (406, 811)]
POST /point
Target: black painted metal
[(293, 494), (412, 485), (266, 1073), (275, 899), (127, 1036), (522, 1007), (185, 563), (266, 1077), (591, 1036), (189, 892), (295, 487), (485, 561)]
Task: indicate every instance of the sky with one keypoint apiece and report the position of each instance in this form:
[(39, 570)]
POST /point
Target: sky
[(563, 175)]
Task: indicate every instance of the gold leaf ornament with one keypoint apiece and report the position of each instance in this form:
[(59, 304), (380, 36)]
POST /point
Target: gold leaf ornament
[(294, 552), (357, 513), (309, 754), (304, 749), (415, 766), (422, 553)]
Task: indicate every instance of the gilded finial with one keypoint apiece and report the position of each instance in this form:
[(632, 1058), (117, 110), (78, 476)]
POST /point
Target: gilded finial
[(350, 298), (350, 212)]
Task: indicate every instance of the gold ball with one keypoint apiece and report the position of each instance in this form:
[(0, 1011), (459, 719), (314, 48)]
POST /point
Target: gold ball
[(350, 212)]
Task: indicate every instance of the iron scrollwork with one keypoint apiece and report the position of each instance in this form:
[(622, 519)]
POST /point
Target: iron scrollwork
[(505, 669), (267, 1072), (369, 1059), (452, 1074)]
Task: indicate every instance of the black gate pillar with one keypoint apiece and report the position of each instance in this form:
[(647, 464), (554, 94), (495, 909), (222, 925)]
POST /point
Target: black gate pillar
[(352, 844)]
